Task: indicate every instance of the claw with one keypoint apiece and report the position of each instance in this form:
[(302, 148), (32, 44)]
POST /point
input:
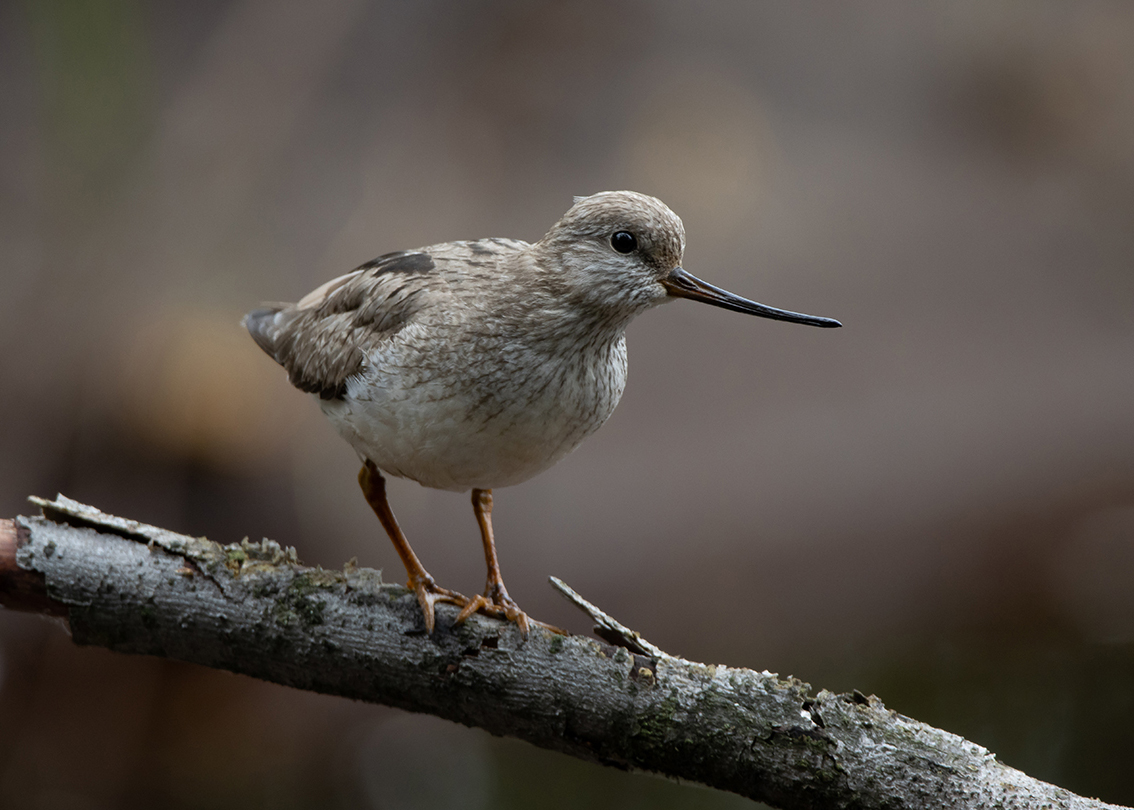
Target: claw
[(428, 593), (499, 608), (478, 602)]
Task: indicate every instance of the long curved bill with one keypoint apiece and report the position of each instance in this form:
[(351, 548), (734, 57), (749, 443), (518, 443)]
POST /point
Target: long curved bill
[(681, 284)]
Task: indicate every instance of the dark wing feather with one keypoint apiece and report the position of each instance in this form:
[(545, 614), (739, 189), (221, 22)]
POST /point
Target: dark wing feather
[(323, 340)]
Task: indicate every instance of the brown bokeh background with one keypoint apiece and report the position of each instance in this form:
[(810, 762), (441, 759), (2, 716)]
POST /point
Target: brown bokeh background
[(934, 504)]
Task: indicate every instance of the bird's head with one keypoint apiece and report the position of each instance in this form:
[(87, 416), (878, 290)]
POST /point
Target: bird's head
[(620, 252)]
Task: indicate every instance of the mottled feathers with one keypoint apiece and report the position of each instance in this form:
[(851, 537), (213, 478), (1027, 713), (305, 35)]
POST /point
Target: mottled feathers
[(324, 339)]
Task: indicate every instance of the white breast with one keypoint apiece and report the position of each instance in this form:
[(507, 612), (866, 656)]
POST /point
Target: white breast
[(481, 416)]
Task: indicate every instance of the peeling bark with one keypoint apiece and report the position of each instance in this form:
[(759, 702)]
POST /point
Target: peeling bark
[(252, 608)]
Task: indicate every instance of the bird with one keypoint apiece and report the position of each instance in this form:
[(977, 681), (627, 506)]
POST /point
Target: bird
[(476, 365)]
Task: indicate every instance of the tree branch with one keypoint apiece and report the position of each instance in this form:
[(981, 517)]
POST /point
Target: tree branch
[(252, 608)]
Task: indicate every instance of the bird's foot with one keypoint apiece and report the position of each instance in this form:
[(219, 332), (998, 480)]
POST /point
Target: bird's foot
[(428, 592), (498, 604)]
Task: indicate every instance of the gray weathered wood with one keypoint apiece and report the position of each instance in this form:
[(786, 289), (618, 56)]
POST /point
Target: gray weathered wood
[(252, 608)]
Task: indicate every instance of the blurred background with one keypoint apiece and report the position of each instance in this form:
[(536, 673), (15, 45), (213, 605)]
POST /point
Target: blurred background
[(934, 504)]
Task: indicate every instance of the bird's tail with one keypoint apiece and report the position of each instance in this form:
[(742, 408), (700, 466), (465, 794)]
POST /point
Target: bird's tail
[(264, 327)]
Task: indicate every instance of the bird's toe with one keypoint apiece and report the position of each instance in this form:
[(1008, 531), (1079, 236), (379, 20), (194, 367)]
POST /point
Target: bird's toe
[(428, 593), (498, 607)]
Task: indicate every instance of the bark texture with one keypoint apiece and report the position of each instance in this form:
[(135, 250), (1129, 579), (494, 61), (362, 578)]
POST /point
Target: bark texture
[(252, 608)]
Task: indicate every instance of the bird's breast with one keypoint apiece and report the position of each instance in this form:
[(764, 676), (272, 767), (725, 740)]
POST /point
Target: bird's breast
[(483, 414)]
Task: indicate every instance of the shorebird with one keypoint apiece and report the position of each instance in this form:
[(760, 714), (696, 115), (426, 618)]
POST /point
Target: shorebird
[(477, 365)]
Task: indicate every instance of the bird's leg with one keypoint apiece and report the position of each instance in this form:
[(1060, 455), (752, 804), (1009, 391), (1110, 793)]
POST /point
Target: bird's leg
[(420, 582), (495, 600)]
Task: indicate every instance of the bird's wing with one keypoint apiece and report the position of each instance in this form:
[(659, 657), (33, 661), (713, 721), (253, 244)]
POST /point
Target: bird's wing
[(323, 339)]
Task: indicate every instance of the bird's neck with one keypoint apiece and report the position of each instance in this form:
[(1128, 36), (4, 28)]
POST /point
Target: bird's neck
[(576, 327), (551, 310)]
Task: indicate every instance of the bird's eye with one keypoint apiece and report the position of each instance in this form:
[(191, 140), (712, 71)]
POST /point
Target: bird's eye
[(624, 242)]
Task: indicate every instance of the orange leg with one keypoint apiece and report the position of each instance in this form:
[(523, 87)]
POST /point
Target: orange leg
[(495, 601), (420, 582)]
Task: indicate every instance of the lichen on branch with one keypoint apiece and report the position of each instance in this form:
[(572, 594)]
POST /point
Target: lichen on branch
[(253, 608)]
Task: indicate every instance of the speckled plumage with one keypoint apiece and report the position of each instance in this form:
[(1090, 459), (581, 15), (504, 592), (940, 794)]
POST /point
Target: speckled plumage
[(480, 364)]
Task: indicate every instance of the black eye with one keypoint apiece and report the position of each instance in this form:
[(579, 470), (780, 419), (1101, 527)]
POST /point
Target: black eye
[(623, 242)]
